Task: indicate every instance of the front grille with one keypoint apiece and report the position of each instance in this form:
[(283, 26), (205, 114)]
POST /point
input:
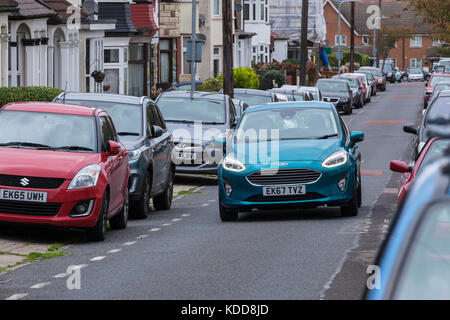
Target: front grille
[(30, 182), (331, 99), (283, 176), (29, 208), (296, 197)]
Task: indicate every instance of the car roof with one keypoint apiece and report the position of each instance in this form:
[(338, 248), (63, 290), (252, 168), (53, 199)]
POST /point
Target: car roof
[(443, 93), (90, 96), (332, 80), (253, 91), (52, 107), (291, 104), (197, 94)]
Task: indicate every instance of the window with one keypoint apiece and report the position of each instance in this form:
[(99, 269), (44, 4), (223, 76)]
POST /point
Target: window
[(111, 55), (107, 132), (216, 67), (365, 40), (216, 50), (216, 8), (416, 41), (416, 63), (437, 43), (246, 11), (343, 40)]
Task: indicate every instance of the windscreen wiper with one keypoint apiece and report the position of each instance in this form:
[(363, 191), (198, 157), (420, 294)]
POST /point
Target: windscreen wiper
[(328, 136), (124, 133), (73, 148), (25, 144)]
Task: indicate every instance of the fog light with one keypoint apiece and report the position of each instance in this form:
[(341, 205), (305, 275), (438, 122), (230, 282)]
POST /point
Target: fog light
[(82, 208), (228, 189), (342, 183)]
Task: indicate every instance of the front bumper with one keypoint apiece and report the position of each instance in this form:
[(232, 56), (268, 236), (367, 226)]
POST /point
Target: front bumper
[(324, 191), (60, 218)]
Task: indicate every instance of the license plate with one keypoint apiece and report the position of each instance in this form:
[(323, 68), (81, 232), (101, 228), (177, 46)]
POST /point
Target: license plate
[(284, 190), (19, 195), (186, 156)]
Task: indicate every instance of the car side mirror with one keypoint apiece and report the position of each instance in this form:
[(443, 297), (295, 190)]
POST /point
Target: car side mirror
[(114, 148), (356, 136), (400, 166), (410, 128), (157, 131), (426, 83)]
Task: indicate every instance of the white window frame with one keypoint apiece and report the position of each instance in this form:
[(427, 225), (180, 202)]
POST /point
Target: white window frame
[(415, 41), (437, 43), (122, 66), (342, 36), (415, 64), (217, 4)]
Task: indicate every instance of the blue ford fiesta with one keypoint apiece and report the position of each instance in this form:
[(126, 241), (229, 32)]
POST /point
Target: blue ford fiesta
[(294, 154)]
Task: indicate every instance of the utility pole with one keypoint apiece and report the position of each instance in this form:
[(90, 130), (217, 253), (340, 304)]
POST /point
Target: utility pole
[(304, 42), (352, 36), (227, 66), (378, 37), (194, 38)]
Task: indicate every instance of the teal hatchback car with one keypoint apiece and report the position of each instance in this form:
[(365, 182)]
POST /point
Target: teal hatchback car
[(293, 154)]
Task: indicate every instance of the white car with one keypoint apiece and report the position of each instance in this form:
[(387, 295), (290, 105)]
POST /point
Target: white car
[(415, 75)]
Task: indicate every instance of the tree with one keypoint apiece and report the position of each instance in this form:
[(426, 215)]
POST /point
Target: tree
[(271, 76), (436, 13), (388, 38)]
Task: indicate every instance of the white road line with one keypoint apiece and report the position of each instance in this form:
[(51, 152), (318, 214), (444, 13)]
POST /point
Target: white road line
[(99, 258), (166, 224), (63, 275), (143, 236), (129, 243), (186, 215), (206, 205), (211, 200), (17, 296), (114, 250), (175, 220), (40, 285), (154, 229), (178, 197)]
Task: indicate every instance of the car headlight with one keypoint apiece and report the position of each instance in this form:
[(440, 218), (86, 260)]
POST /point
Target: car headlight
[(86, 177), (133, 154), (336, 159), (389, 74), (232, 164), (344, 99)]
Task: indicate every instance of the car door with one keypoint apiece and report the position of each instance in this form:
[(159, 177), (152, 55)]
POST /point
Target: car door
[(165, 146), (112, 165)]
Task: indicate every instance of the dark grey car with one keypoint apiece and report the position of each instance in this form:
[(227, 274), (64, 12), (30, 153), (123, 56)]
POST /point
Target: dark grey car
[(338, 93), (142, 129), (195, 124), (357, 90)]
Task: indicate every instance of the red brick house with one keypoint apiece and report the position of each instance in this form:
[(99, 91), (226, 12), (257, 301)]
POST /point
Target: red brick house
[(413, 50)]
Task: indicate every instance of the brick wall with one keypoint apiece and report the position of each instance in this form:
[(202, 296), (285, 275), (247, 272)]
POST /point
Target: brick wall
[(169, 19)]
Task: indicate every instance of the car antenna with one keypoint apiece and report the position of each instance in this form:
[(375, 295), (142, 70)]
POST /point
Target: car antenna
[(65, 91)]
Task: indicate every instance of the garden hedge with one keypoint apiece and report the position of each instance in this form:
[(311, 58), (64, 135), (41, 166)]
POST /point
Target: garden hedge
[(21, 94)]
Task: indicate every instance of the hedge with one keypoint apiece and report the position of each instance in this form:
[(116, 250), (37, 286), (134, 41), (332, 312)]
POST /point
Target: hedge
[(271, 76), (20, 94)]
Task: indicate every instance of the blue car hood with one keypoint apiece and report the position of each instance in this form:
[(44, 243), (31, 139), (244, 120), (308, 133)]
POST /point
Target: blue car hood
[(289, 150)]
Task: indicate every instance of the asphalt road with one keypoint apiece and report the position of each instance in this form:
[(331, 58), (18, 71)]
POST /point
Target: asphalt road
[(188, 253)]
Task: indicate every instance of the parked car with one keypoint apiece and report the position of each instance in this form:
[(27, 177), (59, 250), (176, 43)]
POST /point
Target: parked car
[(380, 78), (438, 87), (357, 89), (414, 256), (194, 151), (184, 86), (318, 161), (338, 93), (432, 150), (372, 80), (367, 84), (142, 129), (294, 94), (239, 107), (438, 108), (415, 74), (254, 97), (315, 92), (398, 74), (65, 168), (429, 85), (389, 72)]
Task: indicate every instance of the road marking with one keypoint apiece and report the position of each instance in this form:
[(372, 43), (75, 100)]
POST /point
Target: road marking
[(186, 215), (404, 96), (40, 285), (98, 258), (206, 205), (178, 197), (154, 229), (17, 296), (166, 224), (391, 190), (129, 243), (63, 275), (384, 122), (114, 250), (366, 173), (211, 200), (143, 236), (176, 220)]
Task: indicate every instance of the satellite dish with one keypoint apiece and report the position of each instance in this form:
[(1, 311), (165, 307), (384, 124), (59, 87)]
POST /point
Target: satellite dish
[(237, 7), (90, 7)]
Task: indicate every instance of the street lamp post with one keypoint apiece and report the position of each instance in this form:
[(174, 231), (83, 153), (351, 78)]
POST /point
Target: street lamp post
[(339, 32), (375, 45)]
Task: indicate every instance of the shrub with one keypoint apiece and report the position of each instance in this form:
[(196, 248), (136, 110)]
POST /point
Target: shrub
[(245, 77), (19, 94), (211, 85), (270, 77)]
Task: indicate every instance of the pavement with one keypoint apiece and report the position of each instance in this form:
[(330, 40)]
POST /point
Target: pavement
[(188, 253)]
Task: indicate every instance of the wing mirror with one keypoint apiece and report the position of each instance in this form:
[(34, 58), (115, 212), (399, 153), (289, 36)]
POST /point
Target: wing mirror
[(114, 148), (400, 166), (410, 128), (356, 136)]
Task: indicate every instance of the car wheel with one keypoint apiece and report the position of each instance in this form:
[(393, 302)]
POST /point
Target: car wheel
[(349, 109), (120, 220), (351, 209), (164, 201), (227, 214), (383, 89), (98, 232), (405, 78), (141, 208)]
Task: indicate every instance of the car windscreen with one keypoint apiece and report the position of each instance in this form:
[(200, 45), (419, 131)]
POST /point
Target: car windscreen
[(331, 86), (424, 271), (127, 118), (352, 82), (440, 107), (435, 151), (287, 124), (436, 79), (41, 130), (387, 68), (299, 97), (415, 71), (376, 73), (253, 99), (441, 86), (187, 110)]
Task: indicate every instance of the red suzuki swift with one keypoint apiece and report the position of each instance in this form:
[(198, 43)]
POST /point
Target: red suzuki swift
[(62, 165)]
